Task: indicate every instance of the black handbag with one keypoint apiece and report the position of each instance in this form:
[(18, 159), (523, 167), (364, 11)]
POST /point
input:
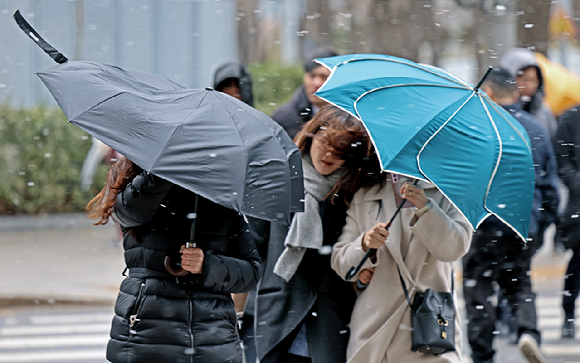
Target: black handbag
[(432, 319)]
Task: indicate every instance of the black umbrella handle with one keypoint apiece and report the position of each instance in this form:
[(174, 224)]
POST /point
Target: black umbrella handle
[(372, 251), (189, 244), (43, 44)]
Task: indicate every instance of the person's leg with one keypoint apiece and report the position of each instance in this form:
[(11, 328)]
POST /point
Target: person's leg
[(571, 290), (478, 272), (517, 286)]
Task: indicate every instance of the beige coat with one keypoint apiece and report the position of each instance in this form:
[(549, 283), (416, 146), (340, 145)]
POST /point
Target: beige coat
[(381, 320)]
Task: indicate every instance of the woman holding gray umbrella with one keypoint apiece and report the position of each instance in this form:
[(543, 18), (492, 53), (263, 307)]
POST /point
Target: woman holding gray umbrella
[(303, 308), (175, 304)]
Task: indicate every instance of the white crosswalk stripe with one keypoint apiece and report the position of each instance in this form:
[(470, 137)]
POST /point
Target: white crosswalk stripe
[(58, 337)]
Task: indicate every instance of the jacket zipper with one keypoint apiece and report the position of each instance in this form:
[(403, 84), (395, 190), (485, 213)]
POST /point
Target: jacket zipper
[(190, 331), (133, 318)]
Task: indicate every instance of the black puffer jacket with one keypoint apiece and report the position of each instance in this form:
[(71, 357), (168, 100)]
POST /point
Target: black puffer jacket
[(161, 318)]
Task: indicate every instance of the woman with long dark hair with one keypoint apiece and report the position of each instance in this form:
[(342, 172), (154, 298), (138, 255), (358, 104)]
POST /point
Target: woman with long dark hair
[(303, 307), (175, 304)]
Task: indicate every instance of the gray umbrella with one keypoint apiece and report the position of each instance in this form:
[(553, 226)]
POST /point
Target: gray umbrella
[(201, 139)]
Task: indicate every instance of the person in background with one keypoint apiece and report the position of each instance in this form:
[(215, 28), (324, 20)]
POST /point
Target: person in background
[(522, 65), (234, 79), (568, 231), (303, 308), (304, 104), (98, 153), (498, 254)]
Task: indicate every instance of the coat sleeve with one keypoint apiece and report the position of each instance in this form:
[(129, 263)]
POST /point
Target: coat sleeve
[(565, 149), (547, 182), (137, 203), (348, 250), (238, 271), (447, 236)]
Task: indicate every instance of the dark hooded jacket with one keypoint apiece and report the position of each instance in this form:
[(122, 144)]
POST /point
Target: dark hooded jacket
[(236, 71), (294, 114), (568, 156), (517, 59), (315, 296), (163, 318)]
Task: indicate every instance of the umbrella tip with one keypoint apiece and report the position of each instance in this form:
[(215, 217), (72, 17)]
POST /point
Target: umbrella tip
[(489, 69)]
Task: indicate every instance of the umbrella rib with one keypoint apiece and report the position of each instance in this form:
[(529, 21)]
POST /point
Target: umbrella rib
[(98, 104), (242, 141), (492, 104), (425, 145), (495, 171), (377, 89), (500, 151), (175, 130)]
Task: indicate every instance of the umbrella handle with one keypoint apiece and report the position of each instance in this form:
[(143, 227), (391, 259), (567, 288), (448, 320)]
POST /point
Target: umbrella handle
[(171, 270), (352, 271)]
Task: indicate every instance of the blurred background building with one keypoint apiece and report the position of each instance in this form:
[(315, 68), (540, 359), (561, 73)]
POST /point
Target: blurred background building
[(185, 39), (180, 39)]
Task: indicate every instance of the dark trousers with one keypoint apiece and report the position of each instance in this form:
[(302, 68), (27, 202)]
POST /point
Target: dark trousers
[(247, 336), (571, 284), (500, 256)]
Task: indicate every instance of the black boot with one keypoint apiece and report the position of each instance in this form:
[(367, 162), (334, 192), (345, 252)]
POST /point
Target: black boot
[(568, 328)]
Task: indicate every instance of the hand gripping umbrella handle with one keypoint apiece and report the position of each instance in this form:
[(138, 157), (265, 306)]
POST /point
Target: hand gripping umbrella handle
[(372, 251), (189, 244)]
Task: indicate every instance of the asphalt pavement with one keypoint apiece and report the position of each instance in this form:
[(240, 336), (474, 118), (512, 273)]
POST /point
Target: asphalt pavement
[(64, 258), (59, 259)]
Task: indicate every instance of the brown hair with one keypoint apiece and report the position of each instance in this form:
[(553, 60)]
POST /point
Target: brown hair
[(347, 139), (120, 174)]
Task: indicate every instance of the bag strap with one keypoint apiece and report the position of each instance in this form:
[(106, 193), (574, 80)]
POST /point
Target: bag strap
[(407, 292), (404, 287)]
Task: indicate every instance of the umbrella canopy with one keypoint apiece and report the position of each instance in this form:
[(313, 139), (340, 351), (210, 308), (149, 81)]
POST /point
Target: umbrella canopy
[(201, 139), (428, 124)]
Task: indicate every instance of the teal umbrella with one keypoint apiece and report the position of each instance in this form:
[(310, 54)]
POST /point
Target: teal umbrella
[(428, 124)]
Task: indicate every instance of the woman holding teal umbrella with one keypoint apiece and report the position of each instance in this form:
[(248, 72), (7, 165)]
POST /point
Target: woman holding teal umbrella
[(421, 243)]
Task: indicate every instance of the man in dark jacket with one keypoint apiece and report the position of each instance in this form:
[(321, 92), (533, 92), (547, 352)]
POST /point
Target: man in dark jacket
[(304, 104), (497, 252), (568, 139)]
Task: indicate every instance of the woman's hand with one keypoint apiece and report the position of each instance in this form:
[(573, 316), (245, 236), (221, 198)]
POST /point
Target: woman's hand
[(414, 194), (191, 259), (366, 275), (375, 237)]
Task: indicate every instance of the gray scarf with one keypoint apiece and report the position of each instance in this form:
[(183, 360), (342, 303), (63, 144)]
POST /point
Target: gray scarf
[(306, 228)]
